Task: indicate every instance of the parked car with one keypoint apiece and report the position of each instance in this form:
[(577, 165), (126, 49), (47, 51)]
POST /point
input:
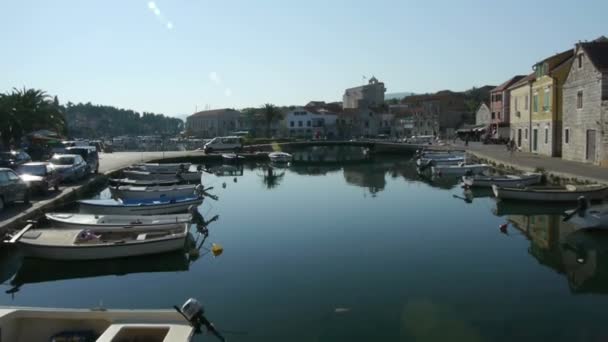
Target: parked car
[(89, 154), (71, 167), (12, 188), (39, 176), (12, 159), (232, 143)]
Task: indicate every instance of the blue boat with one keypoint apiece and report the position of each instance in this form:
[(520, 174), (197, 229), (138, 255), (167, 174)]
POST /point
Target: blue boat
[(138, 207)]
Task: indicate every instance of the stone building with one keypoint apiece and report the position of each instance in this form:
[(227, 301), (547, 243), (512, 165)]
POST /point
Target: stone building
[(482, 116), (439, 113), (213, 123), (585, 100), (519, 97), (546, 115), (369, 95)]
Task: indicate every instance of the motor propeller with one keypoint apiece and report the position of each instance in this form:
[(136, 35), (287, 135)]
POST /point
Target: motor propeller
[(194, 313), (581, 208)]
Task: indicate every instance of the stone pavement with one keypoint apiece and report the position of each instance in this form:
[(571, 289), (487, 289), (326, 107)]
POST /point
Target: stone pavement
[(530, 161)]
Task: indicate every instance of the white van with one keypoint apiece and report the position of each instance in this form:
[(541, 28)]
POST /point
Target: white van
[(232, 143)]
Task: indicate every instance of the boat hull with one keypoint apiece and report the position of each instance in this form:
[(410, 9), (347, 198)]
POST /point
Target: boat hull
[(487, 182), (112, 222), (128, 193), (162, 176), (143, 209), (454, 170), (159, 168), (549, 195), (103, 252)]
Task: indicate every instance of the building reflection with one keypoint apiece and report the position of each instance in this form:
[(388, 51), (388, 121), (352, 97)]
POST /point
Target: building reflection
[(580, 255)]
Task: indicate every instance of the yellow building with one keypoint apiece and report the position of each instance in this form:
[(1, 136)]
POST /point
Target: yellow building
[(546, 115)]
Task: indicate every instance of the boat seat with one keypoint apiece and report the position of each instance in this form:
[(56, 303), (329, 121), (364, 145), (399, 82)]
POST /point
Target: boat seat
[(141, 237), (570, 187)]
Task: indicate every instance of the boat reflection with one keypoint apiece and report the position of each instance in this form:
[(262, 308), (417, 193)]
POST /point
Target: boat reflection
[(226, 170), (329, 155), (35, 270), (271, 177), (504, 208)]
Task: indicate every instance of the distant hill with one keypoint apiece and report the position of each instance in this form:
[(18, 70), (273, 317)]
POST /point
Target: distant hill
[(398, 96)]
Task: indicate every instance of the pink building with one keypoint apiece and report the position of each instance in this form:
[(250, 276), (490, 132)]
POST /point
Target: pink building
[(499, 108)]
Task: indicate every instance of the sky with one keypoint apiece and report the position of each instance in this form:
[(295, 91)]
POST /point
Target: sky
[(174, 57)]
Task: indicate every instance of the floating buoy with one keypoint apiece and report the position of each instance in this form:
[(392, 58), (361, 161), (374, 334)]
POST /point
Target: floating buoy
[(216, 249), (503, 228)]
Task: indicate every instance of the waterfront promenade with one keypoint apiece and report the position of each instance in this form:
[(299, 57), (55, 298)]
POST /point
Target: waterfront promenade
[(530, 162)]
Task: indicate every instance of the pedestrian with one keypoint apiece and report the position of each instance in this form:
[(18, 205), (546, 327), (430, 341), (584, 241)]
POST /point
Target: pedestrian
[(466, 140)]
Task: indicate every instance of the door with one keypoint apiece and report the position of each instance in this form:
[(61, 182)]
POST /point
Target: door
[(590, 156), (519, 137), (535, 140)]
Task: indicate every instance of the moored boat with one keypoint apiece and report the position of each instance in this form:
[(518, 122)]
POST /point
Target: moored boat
[(232, 157), (568, 193), (72, 220), (142, 182), (163, 176), (507, 180), (280, 157), (460, 170), (158, 167), (421, 162), (130, 192), (121, 207), (595, 217)]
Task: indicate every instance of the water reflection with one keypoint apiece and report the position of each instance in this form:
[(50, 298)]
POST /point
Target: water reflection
[(329, 154), (272, 177), (34, 270)]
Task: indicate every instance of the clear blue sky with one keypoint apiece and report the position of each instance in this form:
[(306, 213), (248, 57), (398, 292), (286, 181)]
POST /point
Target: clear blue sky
[(169, 56)]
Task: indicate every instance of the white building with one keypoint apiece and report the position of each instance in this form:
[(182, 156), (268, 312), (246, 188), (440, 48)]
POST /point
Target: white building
[(213, 123), (303, 122), (369, 95)]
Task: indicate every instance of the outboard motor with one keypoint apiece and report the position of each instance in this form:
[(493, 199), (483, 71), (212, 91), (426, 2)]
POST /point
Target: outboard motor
[(583, 205), (197, 218), (194, 313)]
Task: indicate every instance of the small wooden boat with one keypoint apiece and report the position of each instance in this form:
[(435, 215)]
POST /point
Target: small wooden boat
[(280, 157), (158, 168), (441, 154), (130, 192), (596, 217), (162, 176), (92, 244), (141, 182), (444, 161), (460, 170), (568, 193), (232, 157), (122, 207), (506, 181), (71, 220)]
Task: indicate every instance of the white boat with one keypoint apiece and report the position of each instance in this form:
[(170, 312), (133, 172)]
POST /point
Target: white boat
[(92, 244), (595, 217), (568, 193), (232, 157), (441, 154), (130, 192), (72, 220), (141, 182), (460, 170), (162, 176), (505, 181), (120, 207), (158, 167), (24, 324), (421, 162), (280, 157)]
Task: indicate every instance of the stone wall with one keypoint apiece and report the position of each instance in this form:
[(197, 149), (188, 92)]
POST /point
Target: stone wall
[(581, 120), (545, 137)]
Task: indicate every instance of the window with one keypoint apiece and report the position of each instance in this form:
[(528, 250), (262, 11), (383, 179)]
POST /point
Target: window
[(493, 115), (308, 123), (291, 124), (535, 102), (547, 99), (516, 103), (579, 99), (527, 99), (567, 135), (12, 176), (580, 61), (526, 134), (366, 124), (546, 135), (498, 115)]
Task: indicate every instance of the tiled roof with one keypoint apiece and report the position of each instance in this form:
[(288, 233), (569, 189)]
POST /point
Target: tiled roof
[(212, 112), (508, 83), (598, 53), (523, 81)]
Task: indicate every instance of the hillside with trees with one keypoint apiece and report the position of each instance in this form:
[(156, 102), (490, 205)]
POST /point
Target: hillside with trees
[(94, 121)]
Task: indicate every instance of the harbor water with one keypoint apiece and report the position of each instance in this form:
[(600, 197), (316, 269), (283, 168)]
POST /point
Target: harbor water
[(331, 249)]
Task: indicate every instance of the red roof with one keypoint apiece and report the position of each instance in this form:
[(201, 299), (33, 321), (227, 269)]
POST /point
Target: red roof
[(508, 83)]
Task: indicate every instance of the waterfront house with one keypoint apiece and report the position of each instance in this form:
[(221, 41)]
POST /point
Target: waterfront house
[(213, 123), (482, 115), (500, 108), (585, 101), (546, 115), (439, 113), (304, 122), (520, 94)]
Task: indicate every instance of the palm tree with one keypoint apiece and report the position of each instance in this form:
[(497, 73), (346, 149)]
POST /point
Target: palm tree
[(271, 113)]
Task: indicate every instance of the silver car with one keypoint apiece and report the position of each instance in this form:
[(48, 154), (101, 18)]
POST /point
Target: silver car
[(71, 167)]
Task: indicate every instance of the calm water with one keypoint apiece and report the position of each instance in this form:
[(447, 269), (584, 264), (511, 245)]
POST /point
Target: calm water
[(355, 251)]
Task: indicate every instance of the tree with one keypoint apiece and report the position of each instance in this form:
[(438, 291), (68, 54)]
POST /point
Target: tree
[(271, 113)]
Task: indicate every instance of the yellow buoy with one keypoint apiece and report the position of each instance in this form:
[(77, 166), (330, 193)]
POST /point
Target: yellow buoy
[(216, 249)]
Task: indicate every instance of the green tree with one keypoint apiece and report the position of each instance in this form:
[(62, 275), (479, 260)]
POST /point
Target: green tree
[(271, 114)]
